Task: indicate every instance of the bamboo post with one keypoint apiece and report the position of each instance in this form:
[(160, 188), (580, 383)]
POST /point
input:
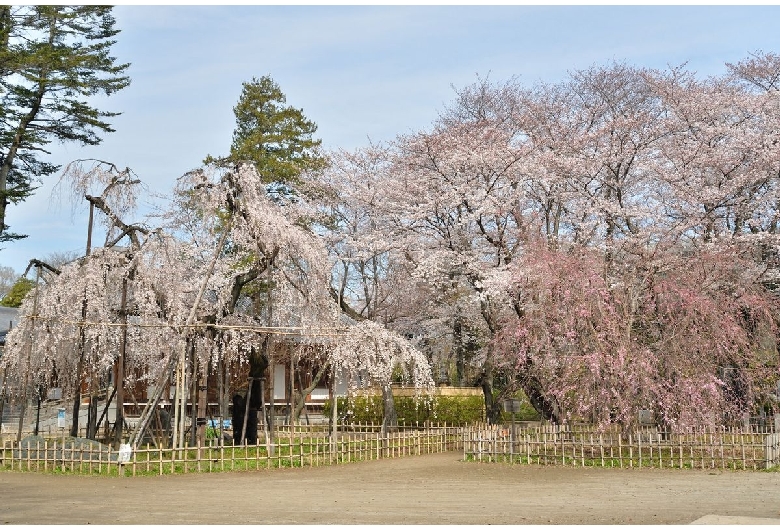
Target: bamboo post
[(177, 416), (181, 400), (196, 427), (753, 450), (691, 443), (264, 415), (334, 411), (246, 410), (680, 445), (291, 402), (639, 443), (221, 398)]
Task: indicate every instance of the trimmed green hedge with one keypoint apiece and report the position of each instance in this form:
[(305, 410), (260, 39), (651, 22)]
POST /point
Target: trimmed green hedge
[(454, 410)]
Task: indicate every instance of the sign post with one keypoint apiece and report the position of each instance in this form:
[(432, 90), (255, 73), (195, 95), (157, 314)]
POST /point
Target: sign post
[(512, 405)]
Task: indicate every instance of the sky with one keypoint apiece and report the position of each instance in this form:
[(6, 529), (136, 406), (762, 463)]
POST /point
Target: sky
[(362, 73)]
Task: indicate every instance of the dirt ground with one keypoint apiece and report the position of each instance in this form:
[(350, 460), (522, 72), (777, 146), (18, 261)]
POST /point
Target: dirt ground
[(433, 489)]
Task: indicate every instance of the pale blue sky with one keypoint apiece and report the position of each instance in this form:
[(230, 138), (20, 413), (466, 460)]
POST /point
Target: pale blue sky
[(358, 72)]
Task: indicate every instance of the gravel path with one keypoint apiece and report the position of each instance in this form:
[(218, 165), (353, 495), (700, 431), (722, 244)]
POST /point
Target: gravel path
[(433, 489)]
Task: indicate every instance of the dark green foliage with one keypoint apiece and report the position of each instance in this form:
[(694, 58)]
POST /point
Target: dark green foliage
[(276, 138), (17, 293), (52, 59), (453, 410)]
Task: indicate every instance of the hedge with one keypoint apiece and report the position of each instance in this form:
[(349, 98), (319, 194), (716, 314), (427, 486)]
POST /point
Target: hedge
[(454, 410)]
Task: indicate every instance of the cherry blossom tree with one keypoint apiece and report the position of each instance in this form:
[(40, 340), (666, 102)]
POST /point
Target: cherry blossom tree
[(420, 224), (369, 353), (621, 174), (659, 338), (137, 311), (607, 244), (68, 349)]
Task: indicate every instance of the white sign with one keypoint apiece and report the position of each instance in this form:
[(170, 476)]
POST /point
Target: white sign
[(61, 422), (125, 452)]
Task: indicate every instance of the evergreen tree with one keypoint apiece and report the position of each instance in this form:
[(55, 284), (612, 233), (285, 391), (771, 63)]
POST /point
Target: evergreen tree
[(17, 293), (52, 59), (277, 138)]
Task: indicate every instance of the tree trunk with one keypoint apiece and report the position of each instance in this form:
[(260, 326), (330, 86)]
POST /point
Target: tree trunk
[(29, 354), (6, 23), (304, 393), (13, 148), (194, 401), (492, 407), (271, 412), (460, 355), (334, 417), (202, 406), (223, 396), (92, 412), (74, 426), (263, 416), (390, 417), (291, 388), (546, 408), (246, 414), (120, 371)]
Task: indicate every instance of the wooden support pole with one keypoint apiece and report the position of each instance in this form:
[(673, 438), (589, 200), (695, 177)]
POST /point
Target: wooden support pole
[(246, 410), (193, 396), (29, 355), (105, 409), (291, 403), (202, 406), (334, 432), (271, 406), (74, 428), (265, 417), (119, 385)]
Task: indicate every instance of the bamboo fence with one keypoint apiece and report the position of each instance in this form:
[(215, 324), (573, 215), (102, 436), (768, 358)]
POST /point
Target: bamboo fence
[(311, 446), (584, 446), (299, 446)]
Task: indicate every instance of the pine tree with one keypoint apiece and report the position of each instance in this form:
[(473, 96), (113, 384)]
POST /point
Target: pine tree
[(17, 293), (52, 59), (276, 138)]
